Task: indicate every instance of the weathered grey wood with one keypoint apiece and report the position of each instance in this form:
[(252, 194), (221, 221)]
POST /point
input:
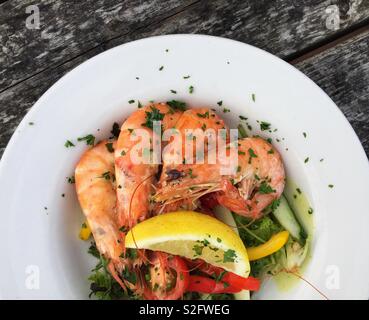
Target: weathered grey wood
[(343, 73), (69, 28), (293, 26)]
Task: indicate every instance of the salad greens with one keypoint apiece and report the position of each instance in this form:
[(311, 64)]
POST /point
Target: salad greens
[(254, 233)]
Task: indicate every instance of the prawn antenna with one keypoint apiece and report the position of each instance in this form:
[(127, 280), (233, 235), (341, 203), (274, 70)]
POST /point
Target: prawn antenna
[(142, 256), (308, 282)]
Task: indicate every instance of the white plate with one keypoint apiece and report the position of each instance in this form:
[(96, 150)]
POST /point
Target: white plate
[(41, 247)]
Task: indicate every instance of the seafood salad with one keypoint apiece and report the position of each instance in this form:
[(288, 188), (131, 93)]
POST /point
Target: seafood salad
[(178, 205)]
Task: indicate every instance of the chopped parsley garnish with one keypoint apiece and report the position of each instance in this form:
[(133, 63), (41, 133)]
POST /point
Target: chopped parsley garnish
[(69, 144), (252, 155), (186, 77), (177, 105), (229, 256), (219, 240), (123, 153), (190, 173), (115, 130), (306, 160), (130, 254), (275, 204), (264, 125), (265, 188), (203, 127), (90, 139), (241, 131), (152, 116), (131, 101), (31, 123), (298, 190), (225, 110), (203, 115), (123, 229), (321, 160), (106, 175), (253, 97), (109, 147), (161, 68), (173, 91), (304, 134), (139, 105), (310, 211), (220, 276), (271, 151), (190, 89), (220, 103), (71, 179), (330, 185), (243, 118), (241, 153), (198, 249)]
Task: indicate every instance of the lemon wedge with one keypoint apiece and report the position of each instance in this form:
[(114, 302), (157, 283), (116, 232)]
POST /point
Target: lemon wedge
[(192, 235)]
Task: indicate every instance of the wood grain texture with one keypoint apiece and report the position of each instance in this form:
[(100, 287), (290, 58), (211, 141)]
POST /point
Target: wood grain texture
[(284, 30), (69, 28), (343, 73)]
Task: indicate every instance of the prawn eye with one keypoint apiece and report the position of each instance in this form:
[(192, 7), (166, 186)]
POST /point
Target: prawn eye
[(174, 175)]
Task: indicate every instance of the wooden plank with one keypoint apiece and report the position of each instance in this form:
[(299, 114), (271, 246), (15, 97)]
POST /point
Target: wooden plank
[(343, 73), (67, 29), (205, 17), (70, 28)]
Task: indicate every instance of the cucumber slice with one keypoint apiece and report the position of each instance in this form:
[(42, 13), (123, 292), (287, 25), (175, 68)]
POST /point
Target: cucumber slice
[(225, 215), (287, 219)]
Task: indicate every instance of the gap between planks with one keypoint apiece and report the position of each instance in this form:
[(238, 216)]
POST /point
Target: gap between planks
[(330, 43)]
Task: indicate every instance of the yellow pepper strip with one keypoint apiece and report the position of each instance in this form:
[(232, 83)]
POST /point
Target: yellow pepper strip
[(276, 242), (85, 232)]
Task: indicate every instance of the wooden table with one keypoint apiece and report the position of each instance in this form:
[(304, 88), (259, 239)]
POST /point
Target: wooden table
[(328, 40)]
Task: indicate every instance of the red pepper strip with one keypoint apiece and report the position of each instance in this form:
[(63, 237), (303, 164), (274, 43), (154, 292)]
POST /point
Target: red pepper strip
[(231, 278), (206, 285), (237, 281)]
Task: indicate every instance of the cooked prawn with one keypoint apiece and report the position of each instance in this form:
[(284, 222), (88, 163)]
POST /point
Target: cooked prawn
[(135, 180), (259, 179), (191, 120), (95, 186)]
